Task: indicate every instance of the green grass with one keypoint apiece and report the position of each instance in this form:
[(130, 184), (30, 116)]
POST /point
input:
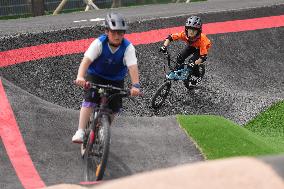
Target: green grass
[(218, 137), (270, 125)]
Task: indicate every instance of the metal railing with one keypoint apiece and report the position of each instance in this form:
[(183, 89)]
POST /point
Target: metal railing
[(8, 7)]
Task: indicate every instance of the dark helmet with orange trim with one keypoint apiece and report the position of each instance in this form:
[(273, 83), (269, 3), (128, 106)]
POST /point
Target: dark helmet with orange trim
[(115, 21)]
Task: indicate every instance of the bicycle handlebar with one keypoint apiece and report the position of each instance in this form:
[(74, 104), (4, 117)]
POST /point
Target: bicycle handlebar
[(122, 92), (168, 55)]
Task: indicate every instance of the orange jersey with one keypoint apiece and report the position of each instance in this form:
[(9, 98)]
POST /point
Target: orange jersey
[(202, 43)]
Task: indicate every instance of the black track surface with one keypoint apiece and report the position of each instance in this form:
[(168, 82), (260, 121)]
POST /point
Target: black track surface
[(244, 76)]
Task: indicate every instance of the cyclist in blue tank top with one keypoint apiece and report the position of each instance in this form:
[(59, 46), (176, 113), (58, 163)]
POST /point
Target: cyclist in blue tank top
[(107, 61)]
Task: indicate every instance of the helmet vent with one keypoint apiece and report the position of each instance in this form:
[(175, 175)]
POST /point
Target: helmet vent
[(113, 23)]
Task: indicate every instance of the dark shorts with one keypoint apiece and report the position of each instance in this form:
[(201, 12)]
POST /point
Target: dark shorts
[(92, 96), (193, 54)]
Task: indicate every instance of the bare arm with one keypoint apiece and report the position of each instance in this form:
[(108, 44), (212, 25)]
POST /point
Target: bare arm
[(167, 42), (133, 72), (134, 76), (85, 63)]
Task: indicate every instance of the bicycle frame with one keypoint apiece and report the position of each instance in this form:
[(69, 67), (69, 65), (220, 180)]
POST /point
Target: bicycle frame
[(97, 142), (103, 110), (181, 74), (169, 60), (105, 99), (174, 75)]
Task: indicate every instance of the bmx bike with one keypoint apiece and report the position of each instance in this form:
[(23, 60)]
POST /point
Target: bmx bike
[(184, 73)]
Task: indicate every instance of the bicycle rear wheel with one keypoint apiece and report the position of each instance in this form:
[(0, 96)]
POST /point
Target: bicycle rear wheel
[(161, 95), (97, 150)]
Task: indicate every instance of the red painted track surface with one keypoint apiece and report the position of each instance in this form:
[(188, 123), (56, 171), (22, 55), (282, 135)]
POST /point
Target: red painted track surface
[(9, 130), (71, 47), (15, 146)]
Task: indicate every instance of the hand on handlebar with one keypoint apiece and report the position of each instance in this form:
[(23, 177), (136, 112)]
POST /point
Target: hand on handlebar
[(80, 81), (135, 91)]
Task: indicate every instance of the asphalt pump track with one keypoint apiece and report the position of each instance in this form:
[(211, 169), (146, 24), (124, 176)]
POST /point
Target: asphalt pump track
[(244, 76)]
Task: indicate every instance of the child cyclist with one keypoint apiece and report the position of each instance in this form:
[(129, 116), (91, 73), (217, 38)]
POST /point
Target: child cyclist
[(106, 61), (197, 46)]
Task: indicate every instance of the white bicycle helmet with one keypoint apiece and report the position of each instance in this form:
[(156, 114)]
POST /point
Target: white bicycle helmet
[(115, 21)]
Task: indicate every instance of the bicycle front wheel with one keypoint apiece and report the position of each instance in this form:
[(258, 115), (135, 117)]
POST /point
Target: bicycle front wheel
[(161, 95), (96, 153)]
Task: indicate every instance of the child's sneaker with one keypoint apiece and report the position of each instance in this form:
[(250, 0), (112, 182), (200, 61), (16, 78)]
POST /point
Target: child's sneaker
[(195, 80), (78, 137), (193, 83)]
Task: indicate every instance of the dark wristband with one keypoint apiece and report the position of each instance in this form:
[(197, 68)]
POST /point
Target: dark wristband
[(136, 85), (170, 38)]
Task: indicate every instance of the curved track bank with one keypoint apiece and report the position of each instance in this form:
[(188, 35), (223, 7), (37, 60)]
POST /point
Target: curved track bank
[(138, 144), (244, 75)]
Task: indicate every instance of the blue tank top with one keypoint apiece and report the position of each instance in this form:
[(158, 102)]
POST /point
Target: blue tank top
[(110, 65)]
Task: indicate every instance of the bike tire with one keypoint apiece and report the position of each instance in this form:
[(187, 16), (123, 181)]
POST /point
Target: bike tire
[(89, 162), (161, 95), (103, 136), (187, 82), (87, 132), (96, 152)]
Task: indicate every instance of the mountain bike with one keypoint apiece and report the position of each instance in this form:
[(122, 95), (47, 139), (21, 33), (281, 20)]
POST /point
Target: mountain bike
[(95, 147), (183, 73)]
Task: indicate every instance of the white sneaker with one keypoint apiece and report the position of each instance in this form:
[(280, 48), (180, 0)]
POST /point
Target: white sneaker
[(78, 137)]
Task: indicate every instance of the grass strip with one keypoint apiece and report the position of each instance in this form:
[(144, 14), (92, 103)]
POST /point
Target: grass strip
[(218, 137), (270, 125)]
